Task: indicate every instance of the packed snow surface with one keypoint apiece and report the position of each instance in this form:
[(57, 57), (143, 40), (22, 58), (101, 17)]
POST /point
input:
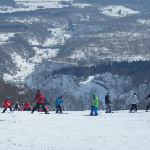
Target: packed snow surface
[(75, 131)]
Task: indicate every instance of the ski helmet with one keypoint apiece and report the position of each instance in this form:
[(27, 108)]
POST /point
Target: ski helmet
[(93, 95), (135, 93), (7, 97)]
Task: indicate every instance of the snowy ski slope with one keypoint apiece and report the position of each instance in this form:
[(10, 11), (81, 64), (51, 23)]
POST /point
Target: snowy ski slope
[(75, 131)]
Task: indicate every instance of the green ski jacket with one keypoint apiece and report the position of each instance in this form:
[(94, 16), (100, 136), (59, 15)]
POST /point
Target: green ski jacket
[(95, 102)]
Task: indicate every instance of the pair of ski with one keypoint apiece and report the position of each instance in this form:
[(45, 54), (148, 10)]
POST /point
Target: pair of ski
[(99, 114), (92, 115), (55, 113)]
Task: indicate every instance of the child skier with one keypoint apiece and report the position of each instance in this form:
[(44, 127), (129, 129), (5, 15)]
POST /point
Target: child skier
[(40, 101), (148, 104), (22, 106), (45, 103), (26, 105), (57, 103), (16, 106), (7, 104), (94, 105), (134, 103)]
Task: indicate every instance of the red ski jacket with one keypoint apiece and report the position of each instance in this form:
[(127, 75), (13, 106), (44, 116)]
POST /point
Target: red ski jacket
[(26, 105), (6, 103), (39, 98)]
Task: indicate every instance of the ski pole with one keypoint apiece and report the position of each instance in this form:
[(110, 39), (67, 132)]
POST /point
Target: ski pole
[(10, 113)]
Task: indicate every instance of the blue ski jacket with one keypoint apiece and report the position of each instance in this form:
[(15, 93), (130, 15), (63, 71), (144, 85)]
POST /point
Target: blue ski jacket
[(58, 101)]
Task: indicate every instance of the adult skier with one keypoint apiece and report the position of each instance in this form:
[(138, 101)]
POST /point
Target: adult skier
[(26, 105), (58, 104), (16, 106), (7, 104), (148, 104), (40, 101), (134, 103), (94, 105), (45, 103), (108, 103)]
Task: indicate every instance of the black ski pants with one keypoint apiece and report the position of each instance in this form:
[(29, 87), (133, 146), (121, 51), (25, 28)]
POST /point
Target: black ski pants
[(6, 109), (26, 109), (37, 106), (58, 107), (147, 106), (134, 107)]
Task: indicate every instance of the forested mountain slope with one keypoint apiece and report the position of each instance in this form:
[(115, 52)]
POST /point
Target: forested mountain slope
[(59, 45)]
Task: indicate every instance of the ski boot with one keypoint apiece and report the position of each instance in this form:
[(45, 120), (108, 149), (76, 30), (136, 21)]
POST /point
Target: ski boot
[(90, 114), (46, 112), (131, 111)]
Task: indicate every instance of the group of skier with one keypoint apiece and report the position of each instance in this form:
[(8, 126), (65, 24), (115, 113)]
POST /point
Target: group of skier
[(134, 103), (41, 104), (24, 106)]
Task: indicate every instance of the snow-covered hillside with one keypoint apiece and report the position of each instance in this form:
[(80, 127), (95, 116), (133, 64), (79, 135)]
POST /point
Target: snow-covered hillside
[(31, 5), (42, 36), (83, 87), (73, 131), (4, 37), (117, 11)]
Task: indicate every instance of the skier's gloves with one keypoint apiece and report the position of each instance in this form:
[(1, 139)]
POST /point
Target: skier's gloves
[(11, 103)]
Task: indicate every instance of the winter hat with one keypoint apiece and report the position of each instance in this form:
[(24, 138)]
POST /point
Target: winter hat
[(108, 94), (7, 97), (38, 91), (135, 93)]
